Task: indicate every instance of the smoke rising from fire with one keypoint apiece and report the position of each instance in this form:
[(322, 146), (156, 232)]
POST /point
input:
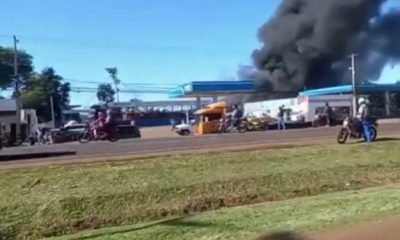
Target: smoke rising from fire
[(306, 43)]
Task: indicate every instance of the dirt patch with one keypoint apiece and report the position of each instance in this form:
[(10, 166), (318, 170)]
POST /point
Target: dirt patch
[(385, 230), (157, 132), (388, 229)]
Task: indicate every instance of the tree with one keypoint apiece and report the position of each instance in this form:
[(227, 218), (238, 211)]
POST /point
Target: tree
[(113, 72), (25, 67), (41, 88), (105, 93)]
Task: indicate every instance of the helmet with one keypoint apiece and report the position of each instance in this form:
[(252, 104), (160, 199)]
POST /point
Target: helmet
[(361, 100)]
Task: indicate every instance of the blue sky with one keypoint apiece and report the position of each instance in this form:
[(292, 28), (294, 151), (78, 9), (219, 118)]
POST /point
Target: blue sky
[(153, 41)]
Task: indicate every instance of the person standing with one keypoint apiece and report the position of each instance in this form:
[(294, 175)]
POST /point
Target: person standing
[(173, 124), (281, 120), (328, 114)]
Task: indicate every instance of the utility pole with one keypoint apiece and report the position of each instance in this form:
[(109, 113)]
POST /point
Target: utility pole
[(353, 82), (17, 93), (53, 119)]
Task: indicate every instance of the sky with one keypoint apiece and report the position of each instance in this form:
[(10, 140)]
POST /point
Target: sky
[(149, 41)]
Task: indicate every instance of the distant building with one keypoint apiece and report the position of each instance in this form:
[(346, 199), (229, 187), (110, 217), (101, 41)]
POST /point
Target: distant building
[(168, 105), (8, 117)]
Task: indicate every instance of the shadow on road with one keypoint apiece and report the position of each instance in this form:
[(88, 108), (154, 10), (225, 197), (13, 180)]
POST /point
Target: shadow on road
[(382, 140), (282, 236), (387, 139)]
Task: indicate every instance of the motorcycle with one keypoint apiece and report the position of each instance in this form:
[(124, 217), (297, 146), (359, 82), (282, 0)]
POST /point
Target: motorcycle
[(225, 126), (88, 134), (352, 128), (42, 136)]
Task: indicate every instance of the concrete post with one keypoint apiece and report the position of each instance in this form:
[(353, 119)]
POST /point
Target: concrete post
[(387, 103), (198, 102)]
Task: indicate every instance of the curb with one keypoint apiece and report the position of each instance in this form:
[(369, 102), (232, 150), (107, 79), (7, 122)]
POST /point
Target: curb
[(24, 156)]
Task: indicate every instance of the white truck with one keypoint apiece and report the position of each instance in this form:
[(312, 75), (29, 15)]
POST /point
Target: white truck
[(303, 108)]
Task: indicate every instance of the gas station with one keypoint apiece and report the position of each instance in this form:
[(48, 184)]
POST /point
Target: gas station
[(365, 89), (212, 89), (215, 89)]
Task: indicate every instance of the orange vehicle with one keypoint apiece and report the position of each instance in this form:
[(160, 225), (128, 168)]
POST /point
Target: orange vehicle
[(207, 118)]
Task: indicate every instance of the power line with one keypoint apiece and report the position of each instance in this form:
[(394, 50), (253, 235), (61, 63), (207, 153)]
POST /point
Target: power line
[(93, 90), (113, 45), (123, 83)]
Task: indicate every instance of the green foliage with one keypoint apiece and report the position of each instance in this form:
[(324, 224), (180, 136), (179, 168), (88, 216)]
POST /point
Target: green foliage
[(113, 72), (25, 67), (41, 88), (105, 93)]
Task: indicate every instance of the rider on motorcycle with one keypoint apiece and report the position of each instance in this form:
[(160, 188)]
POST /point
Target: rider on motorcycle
[(109, 120), (363, 116), (235, 115), (99, 124)]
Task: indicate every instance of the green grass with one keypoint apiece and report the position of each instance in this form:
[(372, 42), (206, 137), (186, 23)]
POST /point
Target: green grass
[(249, 222), (50, 201)]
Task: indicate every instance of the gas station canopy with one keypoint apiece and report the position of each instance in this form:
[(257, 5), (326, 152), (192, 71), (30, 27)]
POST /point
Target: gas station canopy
[(212, 89), (347, 89)]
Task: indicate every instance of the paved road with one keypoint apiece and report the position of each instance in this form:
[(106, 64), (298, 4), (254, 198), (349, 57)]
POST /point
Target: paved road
[(387, 230), (142, 146)]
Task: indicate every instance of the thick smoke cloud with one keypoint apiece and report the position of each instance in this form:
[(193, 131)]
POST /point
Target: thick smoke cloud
[(251, 73), (306, 44)]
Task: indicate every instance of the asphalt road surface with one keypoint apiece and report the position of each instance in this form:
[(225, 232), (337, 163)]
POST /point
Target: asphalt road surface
[(143, 146)]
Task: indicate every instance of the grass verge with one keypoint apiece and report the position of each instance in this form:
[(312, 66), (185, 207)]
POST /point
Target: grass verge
[(52, 201), (249, 222)]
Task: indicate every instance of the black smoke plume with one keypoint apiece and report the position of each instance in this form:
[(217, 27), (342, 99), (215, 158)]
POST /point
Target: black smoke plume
[(306, 44)]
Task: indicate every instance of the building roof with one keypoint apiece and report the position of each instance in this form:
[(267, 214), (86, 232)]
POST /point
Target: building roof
[(8, 105), (219, 88), (212, 88), (346, 89)]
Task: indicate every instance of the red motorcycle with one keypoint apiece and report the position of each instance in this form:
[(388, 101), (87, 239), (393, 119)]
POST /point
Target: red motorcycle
[(109, 134)]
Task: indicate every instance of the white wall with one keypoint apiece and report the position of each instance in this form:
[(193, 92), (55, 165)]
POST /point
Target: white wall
[(302, 105), (269, 107)]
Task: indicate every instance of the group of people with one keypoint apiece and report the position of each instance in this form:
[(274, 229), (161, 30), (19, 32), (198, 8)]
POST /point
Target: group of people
[(363, 116)]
